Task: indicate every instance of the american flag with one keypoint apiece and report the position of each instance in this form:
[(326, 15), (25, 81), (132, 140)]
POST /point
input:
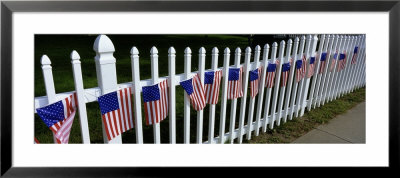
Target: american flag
[(235, 83), (116, 112), (194, 89), (342, 61), (311, 67), (333, 61), (269, 79), (300, 68), (212, 82), (353, 60), (322, 65), (155, 100), (59, 117), (285, 73), (254, 81)]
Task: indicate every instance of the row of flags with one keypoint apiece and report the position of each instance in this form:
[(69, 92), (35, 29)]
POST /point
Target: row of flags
[(116, 108)]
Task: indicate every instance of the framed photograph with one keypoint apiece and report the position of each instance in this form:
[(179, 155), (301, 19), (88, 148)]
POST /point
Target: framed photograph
[(26, 25)]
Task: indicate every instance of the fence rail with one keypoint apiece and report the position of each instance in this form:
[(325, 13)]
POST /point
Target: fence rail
[(332, 78)]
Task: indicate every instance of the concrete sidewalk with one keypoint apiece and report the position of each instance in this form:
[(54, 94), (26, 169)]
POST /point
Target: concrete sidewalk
[(345, 128)]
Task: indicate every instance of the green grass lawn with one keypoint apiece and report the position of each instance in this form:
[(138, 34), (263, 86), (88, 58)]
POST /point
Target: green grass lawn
[(59, 47)]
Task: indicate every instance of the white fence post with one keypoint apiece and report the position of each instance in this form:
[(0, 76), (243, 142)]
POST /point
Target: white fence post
[(211, 125), (296, 89), (187, 69), (309, 53), (346, 77), (316, 71), (290, 80), (331, 74), (260, 93), (340, 73), (277, 83), (80, 94), (224, 95), (136, 94), (172, 95), (304, 53), (48, 82), (106, 73), (154, 77), (335, 73), (202, 63), (283, 88), (268, 94), (234, 101), (246, 69)]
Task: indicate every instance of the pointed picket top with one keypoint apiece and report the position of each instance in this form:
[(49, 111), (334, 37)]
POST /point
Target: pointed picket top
[(215, 50), (134, 51), (45, 60), (290, 41), (275, 44), (171, 50), (188, 50), (153, 50), (74, 55), (266, 46), (103, 44), (248, 50), (282, 42), (309, 37), (323, 36), (296, 40), (238, 50), (303, 37), (227, 50), (202, 50), (258, 48)]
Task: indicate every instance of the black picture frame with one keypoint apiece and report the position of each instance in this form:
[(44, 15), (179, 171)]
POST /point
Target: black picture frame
[(8, 7)]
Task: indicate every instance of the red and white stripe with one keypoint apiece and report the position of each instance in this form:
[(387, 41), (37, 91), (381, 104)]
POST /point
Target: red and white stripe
[(197, 97), (254, 84), (235, 87), (270, 78), (157, 111), (62, 129), (212, 90), (300, 73)]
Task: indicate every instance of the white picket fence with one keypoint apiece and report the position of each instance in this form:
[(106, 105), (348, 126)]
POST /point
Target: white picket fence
[(291, 100)]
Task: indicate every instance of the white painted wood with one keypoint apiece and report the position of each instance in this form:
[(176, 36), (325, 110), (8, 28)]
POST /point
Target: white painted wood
[(316, 70), (224, 94), (277, 84), (202, 64), (211, 124), (268, 93), (296, 84), (335, 73), (260, 92), (187, 69), (290, 80), (172, 95), (155, 80), (301, 83), (246, 70), (48, 83), (337, 84), (106, 73), (136, 94), (324, 77), (310, 53), (351, 67), (346, 74), (234, 101), (80, 92), (283, 88), (361, 64), (330, 77)]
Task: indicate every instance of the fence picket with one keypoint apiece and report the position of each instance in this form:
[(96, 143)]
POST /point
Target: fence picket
[(268, 94), (300, 92), (224, 96), (296, 89), (322, 77), (260, 93), (136, 94), (277, 83), (187, 69), (234, 101), (331, 73), (211, 125), (283, 88), (172, 95), (202, 63), (316, 70), (340, 73), (246, 70), (80, 94), (290, 80)]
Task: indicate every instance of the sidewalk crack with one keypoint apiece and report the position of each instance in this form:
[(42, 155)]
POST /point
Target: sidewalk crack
[(334, 135)]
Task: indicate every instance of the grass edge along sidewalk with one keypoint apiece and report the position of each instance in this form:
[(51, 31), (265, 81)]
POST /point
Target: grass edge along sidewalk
[(299, 126)]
